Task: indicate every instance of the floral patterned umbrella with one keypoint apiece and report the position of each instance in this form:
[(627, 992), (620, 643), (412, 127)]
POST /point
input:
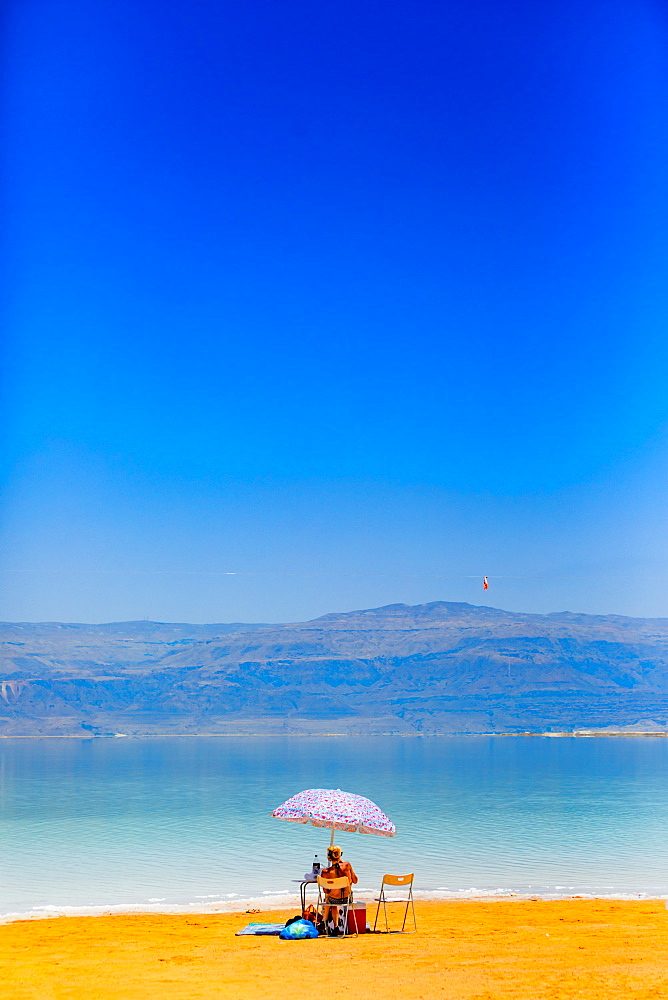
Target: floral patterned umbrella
[(336, 810)]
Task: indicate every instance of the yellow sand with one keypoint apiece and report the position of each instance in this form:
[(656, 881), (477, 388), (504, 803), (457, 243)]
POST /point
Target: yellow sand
[(580, 949)]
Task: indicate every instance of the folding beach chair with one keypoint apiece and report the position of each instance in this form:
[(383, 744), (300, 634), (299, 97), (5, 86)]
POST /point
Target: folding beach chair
[(325, 887), (398, 882)]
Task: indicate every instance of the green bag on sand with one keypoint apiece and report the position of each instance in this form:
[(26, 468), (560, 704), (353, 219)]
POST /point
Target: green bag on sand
[(298, 930)]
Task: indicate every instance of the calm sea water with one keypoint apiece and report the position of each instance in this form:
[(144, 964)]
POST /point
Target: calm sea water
[(184, 822)]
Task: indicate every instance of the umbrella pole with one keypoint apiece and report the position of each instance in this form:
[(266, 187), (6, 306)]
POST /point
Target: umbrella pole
[(331, 842)]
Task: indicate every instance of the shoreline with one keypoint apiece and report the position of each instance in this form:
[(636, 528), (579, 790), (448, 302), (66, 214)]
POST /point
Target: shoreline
[(575, 734), (290, 903)]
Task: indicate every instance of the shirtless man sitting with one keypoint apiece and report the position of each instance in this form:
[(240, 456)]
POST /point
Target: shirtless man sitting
[(337, 869)]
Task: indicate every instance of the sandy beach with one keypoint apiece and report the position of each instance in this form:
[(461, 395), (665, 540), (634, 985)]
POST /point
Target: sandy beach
[(576, 948)]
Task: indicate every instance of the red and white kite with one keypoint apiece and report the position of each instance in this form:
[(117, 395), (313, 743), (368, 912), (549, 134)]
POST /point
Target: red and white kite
[(485, 585)]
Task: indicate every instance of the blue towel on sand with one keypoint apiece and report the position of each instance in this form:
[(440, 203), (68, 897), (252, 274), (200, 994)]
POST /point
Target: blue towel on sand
[(266, 929)]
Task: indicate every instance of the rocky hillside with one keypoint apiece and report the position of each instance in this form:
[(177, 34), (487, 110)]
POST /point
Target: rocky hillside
[(439, 667)]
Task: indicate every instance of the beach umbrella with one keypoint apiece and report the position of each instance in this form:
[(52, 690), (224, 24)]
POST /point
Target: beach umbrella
[(336, 810)]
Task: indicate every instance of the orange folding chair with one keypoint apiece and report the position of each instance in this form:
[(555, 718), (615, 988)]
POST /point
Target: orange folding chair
[(398, 883)]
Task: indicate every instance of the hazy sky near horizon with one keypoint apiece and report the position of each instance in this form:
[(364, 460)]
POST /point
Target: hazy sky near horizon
[(315, 307)]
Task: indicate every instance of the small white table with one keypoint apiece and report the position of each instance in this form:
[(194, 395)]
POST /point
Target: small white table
[(303, 882)]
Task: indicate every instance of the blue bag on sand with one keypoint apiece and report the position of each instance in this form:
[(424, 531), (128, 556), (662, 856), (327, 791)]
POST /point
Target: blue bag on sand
[(298, 930)]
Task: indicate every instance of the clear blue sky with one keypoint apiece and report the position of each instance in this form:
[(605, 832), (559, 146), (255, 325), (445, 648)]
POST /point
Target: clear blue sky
[(355, 301)]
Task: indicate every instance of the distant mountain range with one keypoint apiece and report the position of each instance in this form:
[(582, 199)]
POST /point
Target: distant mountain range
[(432, 668)]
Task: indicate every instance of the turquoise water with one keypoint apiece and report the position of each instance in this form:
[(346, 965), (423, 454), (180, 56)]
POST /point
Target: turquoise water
[(177, 822)]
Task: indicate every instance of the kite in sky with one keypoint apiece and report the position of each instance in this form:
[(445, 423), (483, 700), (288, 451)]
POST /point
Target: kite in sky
[(485, 585)]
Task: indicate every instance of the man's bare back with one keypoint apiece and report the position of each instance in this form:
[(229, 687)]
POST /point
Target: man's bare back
[(341, 869), (338, 869)]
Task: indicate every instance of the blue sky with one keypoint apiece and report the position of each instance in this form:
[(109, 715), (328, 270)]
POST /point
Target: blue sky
[(322, 306)]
